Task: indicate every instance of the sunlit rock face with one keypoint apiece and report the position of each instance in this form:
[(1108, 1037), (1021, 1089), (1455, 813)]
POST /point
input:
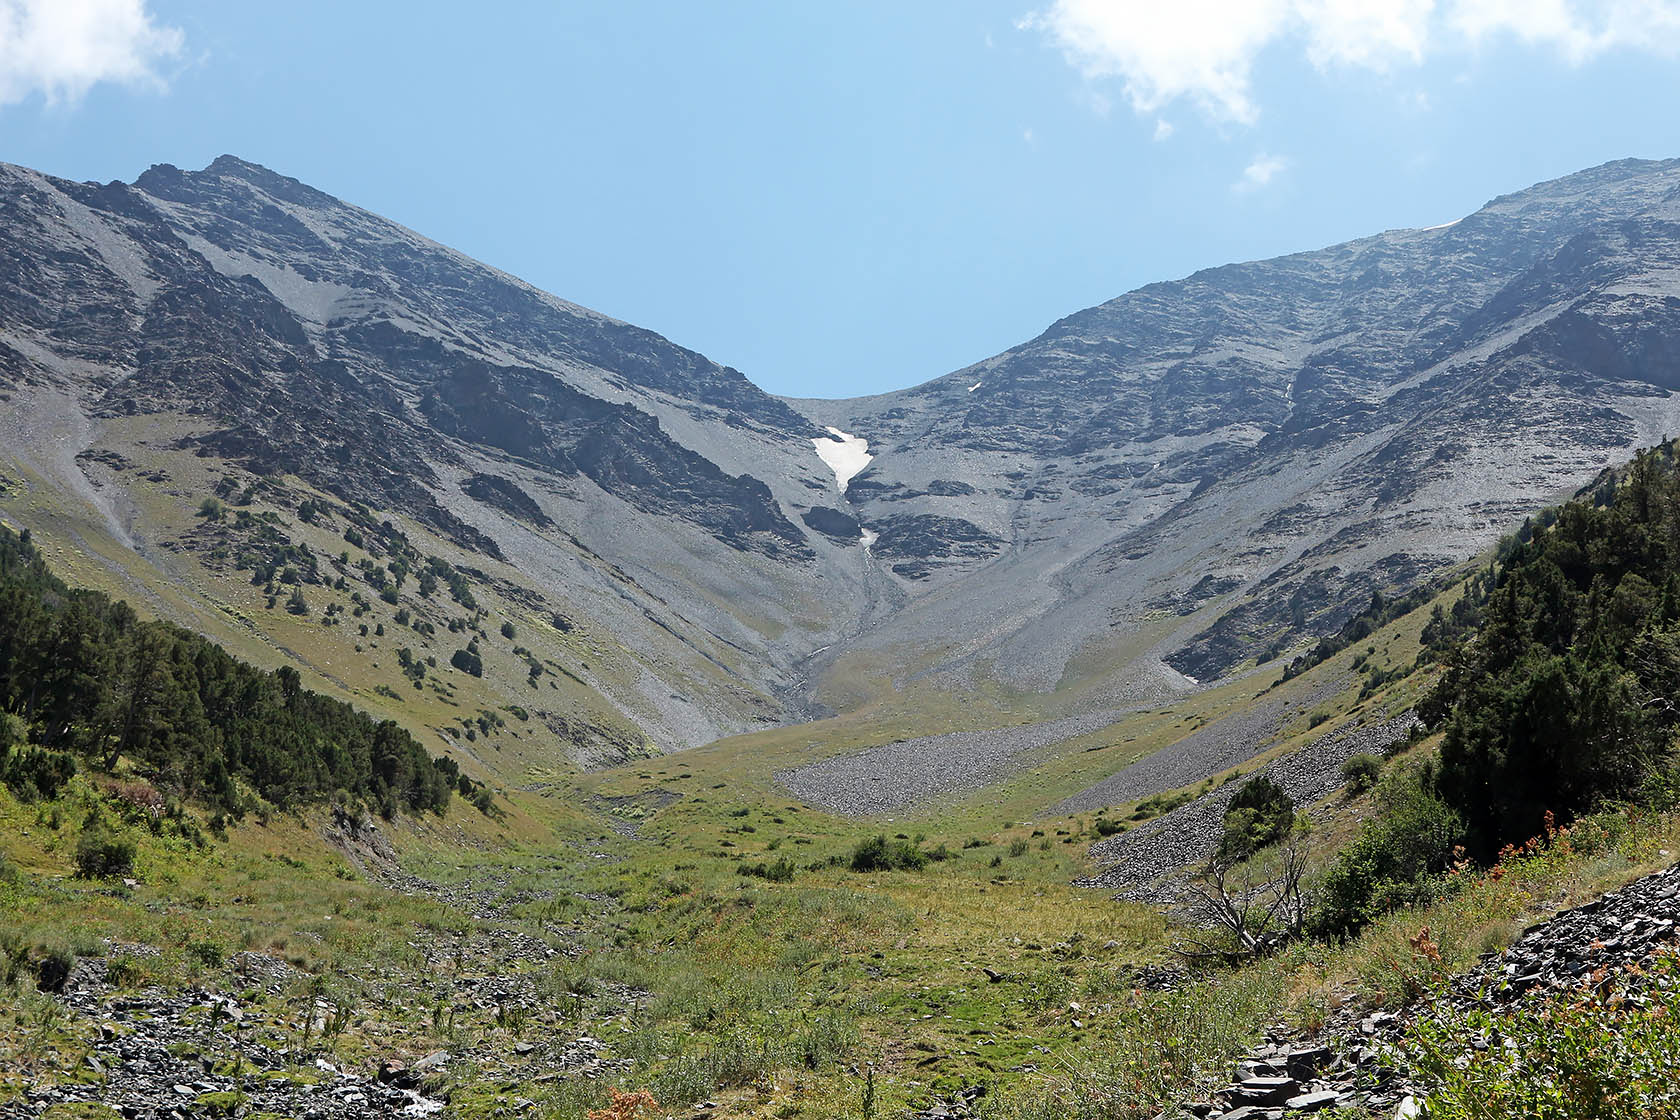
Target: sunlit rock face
[(1145, 497)]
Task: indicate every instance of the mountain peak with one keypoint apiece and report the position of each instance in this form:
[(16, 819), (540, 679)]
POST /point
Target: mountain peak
[(228, 164)]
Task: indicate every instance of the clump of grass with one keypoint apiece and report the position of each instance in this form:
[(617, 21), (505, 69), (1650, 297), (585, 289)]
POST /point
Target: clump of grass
[(1154, 1050), (781, 871), (1160, 804)]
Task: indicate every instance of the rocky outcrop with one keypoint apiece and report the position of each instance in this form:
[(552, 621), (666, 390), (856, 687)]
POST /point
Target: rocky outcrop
[(919, 544), (1352, 1063), (506, 496)]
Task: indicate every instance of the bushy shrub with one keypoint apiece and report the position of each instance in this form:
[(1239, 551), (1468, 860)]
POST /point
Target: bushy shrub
[(31, 772), (52, 968), (103, 854), (1395, 860), (880, 854), (781, 871), (1259, 816), (467, 662), (207, 953), (1361, 772)]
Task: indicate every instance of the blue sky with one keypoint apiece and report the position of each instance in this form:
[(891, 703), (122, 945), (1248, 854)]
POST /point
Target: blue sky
[(840, 199)]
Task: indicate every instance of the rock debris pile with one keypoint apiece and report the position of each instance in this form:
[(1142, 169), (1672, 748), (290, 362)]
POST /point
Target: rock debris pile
[(1353, 1061), (1142, 864)]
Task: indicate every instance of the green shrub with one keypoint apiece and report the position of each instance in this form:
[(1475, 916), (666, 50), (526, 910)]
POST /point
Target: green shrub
[(52, 968), (1395, 860), (467, 662), (30, 772), (207, 953), (1258, 816), (880, 854), (1017, 848), (103, 854), (1361, 772), (782, 871), (1106, 827), (124, 970)]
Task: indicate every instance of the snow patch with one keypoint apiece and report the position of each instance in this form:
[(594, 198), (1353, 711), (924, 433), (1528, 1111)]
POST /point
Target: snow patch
[(1443, 225), (975, 386), (870, 536), (845, 455)]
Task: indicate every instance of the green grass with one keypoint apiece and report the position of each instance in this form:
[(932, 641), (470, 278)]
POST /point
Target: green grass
[(774, 994)]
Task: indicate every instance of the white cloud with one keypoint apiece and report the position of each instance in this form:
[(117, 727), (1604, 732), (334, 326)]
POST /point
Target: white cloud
[(1261, 170), (60, 49), (1199, 49), (1580, 30), (1203, 51), (1163, 128)]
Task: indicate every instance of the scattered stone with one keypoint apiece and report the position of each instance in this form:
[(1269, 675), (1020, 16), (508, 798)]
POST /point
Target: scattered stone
[(1353, 1060)]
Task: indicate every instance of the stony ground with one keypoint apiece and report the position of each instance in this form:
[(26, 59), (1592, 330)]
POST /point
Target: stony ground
[(201, 1052), (255, 1036), (1141, 864), (911, 772), (905, 774), (1222, 744), (1352, 1063)]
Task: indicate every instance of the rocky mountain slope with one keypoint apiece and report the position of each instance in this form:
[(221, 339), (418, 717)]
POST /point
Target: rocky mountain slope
[(1148, 495), (596, 472), (1219, 464)]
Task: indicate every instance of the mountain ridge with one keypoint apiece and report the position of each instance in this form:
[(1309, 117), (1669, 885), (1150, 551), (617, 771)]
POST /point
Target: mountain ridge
[(1151, 493)]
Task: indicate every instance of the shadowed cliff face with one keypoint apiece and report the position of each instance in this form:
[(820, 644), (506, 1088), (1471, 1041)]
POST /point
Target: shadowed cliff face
[(1150, 493)]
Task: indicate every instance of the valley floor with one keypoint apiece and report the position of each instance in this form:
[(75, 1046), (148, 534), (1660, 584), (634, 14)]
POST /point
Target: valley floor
[(687, 927)]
